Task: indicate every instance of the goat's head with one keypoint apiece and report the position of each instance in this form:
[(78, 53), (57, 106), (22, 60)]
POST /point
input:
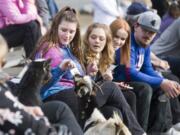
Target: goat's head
[(84, 85), (98, 125)]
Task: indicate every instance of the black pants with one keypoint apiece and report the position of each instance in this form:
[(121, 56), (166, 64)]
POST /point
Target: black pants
[(112, 96), (143, 93), (22, 34), (160, 118), (174, 102), (59, 113), (131, 99)]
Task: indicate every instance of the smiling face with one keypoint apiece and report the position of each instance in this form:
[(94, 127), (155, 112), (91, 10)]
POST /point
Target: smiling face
[(97, 40), (120, 38), (66, 32)]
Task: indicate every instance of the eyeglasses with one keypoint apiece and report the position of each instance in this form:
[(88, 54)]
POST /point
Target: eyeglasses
[(70, 9)]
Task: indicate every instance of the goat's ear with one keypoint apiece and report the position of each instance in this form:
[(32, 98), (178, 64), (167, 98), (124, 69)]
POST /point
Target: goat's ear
[(77, 77), (26, 60), (97, 116), (49, 61)]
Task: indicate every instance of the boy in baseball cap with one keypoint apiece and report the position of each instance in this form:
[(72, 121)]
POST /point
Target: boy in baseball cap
[(141, 69)]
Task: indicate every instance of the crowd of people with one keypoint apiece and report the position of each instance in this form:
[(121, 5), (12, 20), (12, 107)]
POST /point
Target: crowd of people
[(132, 55)]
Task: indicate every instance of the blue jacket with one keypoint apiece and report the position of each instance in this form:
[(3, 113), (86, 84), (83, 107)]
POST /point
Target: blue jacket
[(141, 67)]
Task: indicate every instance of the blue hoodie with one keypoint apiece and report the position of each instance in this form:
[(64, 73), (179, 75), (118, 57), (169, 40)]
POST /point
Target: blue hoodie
[(141, 67)]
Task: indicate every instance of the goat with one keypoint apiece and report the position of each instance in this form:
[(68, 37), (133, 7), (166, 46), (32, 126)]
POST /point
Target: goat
[(98, 125), (28, 90)]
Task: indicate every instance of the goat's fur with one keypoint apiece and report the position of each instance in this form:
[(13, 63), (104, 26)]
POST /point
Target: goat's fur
[(85, 85), (101, 126), (28, 90)]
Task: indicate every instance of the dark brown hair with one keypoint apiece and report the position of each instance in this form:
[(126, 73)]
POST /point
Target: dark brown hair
[(51, 37)]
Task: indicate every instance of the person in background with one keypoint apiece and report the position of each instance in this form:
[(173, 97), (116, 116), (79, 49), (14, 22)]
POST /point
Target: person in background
[(106, 11), (53, 8), (161, 6), (167, 47), (43, 11), (133, 12), (169, 17), (20, 23)]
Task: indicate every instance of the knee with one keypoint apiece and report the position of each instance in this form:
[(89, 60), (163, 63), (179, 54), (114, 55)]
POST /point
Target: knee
[(130, 96), (146, 91)]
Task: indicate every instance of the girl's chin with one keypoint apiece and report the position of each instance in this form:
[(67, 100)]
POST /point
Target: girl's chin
[(116, 48), (65, 43)]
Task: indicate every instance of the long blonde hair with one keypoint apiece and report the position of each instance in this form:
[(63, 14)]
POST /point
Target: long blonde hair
[(52, 39), (125, 50), (107, 55)]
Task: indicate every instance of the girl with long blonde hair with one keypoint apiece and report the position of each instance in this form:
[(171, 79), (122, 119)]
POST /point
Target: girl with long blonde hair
[(98, 46)]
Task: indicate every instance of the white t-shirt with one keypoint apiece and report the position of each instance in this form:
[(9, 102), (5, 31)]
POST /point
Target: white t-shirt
[(106, 11)]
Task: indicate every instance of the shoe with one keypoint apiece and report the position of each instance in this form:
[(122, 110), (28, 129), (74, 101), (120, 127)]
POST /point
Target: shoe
[(177, 126), (171, 131)]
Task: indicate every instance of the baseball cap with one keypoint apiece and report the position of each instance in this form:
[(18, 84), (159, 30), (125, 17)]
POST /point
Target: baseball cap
[(149, 21), (136, 8)]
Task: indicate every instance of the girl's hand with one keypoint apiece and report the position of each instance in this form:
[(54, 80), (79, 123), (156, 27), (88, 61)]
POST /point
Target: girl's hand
[(67, 64), (92, 69), (107, 75), (164, 65), (34, 111)]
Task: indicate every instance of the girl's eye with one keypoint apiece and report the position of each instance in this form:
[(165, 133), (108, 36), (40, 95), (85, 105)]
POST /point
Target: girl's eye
[(116, 36), (71, 31), (102, 38), (64, 30), (123, 39), (93, 37)]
